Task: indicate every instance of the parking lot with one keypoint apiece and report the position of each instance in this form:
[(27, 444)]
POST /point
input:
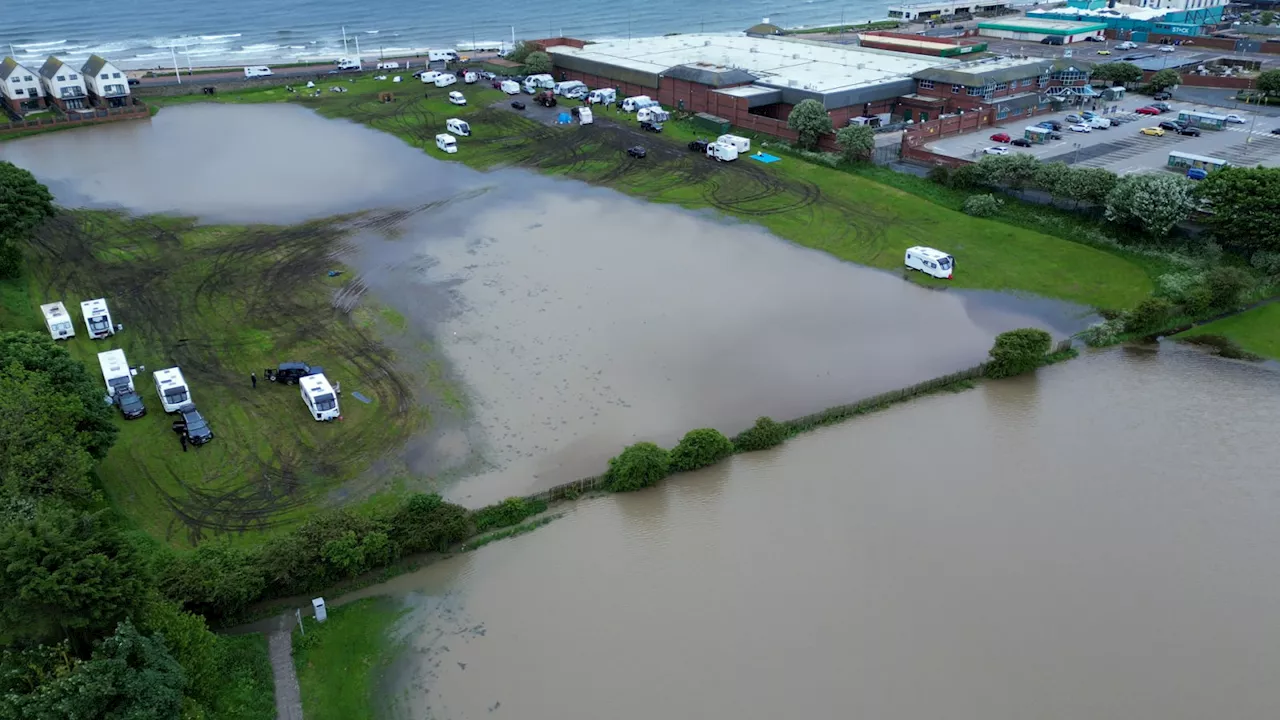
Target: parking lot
[(1123, 148)]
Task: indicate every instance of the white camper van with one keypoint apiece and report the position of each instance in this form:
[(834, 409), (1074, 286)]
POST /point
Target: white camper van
[(97, 319), (603, 95), (510, 87), (349, 64), (441, 55), (258, 71), (172, 389), (534, 83), (457, 98), (429, 76), (447, 143), (469, 77), (584, 116), (633, 104), (115, 371), (571, 88), (446, 79), (653, 114), (388, 66), (739, 143), (458, 127), (319, 397), (723, 152), (58, 321), (930, 262)]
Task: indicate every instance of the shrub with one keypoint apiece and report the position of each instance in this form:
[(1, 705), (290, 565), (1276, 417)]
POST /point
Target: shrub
[(1018, 351), (1226, 286), (1102, 334), (1177, 286), (766, 433), (969, 177), (1150, 314), (940, 174), (638, 466), (982, 205), (509, 512), (700, 448), (1267, 262)]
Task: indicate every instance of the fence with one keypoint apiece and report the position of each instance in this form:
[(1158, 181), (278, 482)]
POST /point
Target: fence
[(98, 115)]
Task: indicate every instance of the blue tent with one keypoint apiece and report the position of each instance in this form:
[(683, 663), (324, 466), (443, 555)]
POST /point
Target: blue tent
[(564, 119)]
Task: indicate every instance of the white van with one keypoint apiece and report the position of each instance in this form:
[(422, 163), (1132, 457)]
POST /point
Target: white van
[(457, 98), (458, 127), (429, 76), (534, 83), (58, 321), (258, 71), (438, 55), (722, 152), (653, 114), (447, 143), (469, 77), (930, 262), (319, 397), (585, 117), (97, 318), (603, 95), (510, 87), (571, 89), (349, 64), (739, 143), (1099, 123), (172, 389), (115, 372), (446, 79), (633, 104), (388, 66)]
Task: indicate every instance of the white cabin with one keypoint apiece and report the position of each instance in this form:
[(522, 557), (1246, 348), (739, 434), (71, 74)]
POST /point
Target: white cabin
[(63, 85), (108, 87), (115, 371), (97, 318), (20, 87), (737, 141), (319, 397), (930, 262), (172, 389), (458, 127), (58, 321)]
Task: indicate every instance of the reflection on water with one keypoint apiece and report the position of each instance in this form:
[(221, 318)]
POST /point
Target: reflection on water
[(1097, 541)]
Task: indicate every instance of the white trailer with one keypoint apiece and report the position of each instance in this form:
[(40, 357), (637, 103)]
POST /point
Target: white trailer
[(97, 318), (603, 95), (930, 262), (737, 141), (510, 87), (58, 321), (172, 389), (388, 66), (349, 64), (634, 103), (428, 77), (115, 372), (458, 127), (723, 152), (571, 86), (446, 79), (319, 397), (258, 71), (585, 117), (469, 77)]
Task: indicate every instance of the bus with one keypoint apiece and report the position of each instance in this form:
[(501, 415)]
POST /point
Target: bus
[(1186, 161)]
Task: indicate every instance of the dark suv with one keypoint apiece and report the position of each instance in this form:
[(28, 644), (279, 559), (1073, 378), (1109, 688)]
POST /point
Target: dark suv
[(699, 145), (192, 424), (130, 404), (289, 372)]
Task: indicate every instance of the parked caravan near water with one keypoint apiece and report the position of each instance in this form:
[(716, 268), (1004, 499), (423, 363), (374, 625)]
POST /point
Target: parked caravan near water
[(441, 55), (447, 143), (58, 321), (97, 318), (458, 127), (930, 262)]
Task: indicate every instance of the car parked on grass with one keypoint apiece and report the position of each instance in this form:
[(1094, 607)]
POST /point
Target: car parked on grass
[(130, 404), (1236, 119), (1157, 132), (996, 150), (1147, 111), (289, 372), (636, 152), (192, 424), (517, 104), (1000, 137), (1078, 128), (652, 127), (1020, 142), (699, 145)]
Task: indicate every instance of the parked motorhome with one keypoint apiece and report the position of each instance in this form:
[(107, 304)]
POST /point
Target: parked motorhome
[(723, 152), (119, 379), (740, 143), (447, 143), (319, 397), (58, 321), (441, 55), (172, 389), (510, 87), (458, 127), (930, 262), (653, 114), (97, 318), (607, 96), (349, 64), (388, 66), (257, 71), (534, 83), (564, 89), (469, 77), (457, 98), (633, 104), (446, 79)]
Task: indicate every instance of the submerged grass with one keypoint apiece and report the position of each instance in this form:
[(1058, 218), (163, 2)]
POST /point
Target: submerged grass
[(340, 661), (1256, 331)]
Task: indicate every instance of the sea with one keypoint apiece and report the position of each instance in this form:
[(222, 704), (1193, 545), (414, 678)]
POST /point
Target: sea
[(138, 34)]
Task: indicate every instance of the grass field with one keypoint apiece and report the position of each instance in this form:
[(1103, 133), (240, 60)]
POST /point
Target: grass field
[(246, 690), (220, 302), (339, 661), (1257, 330)]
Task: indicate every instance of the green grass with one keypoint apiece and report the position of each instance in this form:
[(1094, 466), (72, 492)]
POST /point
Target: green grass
[(246, 690), (339, 662), (831, 29), (1256, 330)]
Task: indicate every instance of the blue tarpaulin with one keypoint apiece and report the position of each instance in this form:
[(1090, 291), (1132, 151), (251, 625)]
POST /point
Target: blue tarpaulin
[(764, 157), (564, 119)]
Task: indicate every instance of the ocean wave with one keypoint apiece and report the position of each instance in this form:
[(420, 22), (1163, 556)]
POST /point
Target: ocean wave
[(41, 47), (228, 36), (258, 47)]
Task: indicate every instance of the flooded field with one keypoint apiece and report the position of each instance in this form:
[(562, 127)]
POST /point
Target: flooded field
[(1041, 547)]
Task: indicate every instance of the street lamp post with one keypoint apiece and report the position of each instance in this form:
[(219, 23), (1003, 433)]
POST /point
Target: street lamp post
[(1076, 158)]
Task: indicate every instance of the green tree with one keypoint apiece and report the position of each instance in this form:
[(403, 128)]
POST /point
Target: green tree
[(638, 466), (66, 573), (1226, 287), (1246, 212), (24, 204), (1267, 17), (1121, 73), (520, 51), (95, 426), (215, 579), (1053, 178), (1091, 185), (856, 142), (1150, 314), (506, 513), (810, 121), (766, 433), (1268, 83), (1151, 202), (1015, 171), (1018, 351), (700, 448), (537, 63), (1164, 79), (189, 641), (984, 205), (425, 522), (42, 455)]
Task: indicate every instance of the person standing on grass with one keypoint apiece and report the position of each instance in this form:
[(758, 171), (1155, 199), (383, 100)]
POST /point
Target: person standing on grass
[(253, 379), (182, 438)]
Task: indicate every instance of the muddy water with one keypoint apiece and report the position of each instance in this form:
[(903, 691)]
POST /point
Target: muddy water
[(1095, 542)]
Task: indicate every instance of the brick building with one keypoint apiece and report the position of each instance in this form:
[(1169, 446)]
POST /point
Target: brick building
[(1010, 87)]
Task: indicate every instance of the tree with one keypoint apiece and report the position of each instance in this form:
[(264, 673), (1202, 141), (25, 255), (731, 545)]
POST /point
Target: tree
[(1152, 203), (700, 448), (1018, 351), (856, 142), (1268, 83), (24, 204), (1150, 314), (766, 433), (537, 63), (94, 425), (1245, 211), (1164, 80), (1226, 286), (66, 573), (810, 121), (1267, 17), (189, 641), (1091, 185), (1015, 171), (638, 466), (984, 205), (215, 579), (520, 51), (42, 455), (1121, 73), (1053, 178)]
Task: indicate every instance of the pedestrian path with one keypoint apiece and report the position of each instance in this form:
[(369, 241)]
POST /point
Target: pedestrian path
[(280, 650)]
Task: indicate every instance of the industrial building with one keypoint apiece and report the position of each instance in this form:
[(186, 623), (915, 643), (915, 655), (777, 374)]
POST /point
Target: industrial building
[(1134, 18), (921, 44), (948, 8), (1010, 87), (1039, 29)]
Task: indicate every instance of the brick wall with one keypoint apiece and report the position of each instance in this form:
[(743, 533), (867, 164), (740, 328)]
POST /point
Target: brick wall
[(97, 115), (1214, 81)]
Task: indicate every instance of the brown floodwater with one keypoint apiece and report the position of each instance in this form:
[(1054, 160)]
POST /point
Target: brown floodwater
[(1097, 541)]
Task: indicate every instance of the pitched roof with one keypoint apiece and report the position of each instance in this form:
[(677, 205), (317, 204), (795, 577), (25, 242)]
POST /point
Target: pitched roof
[(7, 67), (93, 65), (50, 67)]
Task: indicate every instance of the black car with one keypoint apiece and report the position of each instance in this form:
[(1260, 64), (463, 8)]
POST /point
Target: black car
[(130, 404), (1189, 131), (651, 126), (1170, 125), (636, 152), (1020, 142), (289, 372), (192, 424), (134, 81), (1162, 96), (699, 145), (517, 104)]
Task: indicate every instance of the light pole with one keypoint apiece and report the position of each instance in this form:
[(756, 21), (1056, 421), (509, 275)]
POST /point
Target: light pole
[(1076, 158)]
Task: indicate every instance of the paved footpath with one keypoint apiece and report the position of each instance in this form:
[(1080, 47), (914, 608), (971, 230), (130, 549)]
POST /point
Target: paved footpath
[(280, 650)]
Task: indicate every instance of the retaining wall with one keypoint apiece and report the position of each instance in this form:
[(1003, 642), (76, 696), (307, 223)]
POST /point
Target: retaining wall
[(95, 117)]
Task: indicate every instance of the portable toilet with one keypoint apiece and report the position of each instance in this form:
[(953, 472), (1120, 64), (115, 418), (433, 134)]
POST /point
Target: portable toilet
[(58, 321), (97, 319)]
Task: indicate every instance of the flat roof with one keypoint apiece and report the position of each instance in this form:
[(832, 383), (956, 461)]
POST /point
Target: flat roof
[(1042, 25), (923, 42), (1133, 12), (776, 61)]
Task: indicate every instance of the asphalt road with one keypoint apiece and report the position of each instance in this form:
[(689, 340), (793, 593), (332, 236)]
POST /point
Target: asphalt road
[(301, 71)]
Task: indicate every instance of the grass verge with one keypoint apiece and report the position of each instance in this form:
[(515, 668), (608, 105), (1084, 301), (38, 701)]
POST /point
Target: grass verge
[(246, 690), (1257, 331), (339, 661)]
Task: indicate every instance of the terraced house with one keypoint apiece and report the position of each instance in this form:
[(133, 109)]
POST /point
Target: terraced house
[(1011, 87), (108, 87), (20, 88), (63, 85)]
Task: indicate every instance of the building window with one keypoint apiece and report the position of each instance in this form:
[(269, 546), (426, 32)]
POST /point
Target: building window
[(1001, 86), (925, 84), (115, 75), (27, 78), (104, 76), (17, 91), (62, 78), (955, 89), (1026, 82), (74, 76), (1044, 80), (973, 91)]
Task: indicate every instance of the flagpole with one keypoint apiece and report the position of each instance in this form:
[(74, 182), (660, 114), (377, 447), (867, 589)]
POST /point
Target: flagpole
[(176, 71)]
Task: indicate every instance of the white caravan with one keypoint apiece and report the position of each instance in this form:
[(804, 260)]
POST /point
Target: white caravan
[(458, 127), (457, 98), (172, 389), (930, 262), (633, 104), (349, 64), (115, 371), (585, 117), (603, 95), (577, 87), (446, 79), (429, 76), (388, 66), (441, 55), (534, 83), (723, 152), (447, 143), (97, 318), (653, 114), (58, 321), (469, 77), (510, 87), (319, 397), (258, 71), (740, 143)]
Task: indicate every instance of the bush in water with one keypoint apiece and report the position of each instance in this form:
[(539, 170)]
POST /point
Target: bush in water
[(638, 466), (763, 435), (509, 512), (700, 448), (1150, 314), (1018, 351)]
